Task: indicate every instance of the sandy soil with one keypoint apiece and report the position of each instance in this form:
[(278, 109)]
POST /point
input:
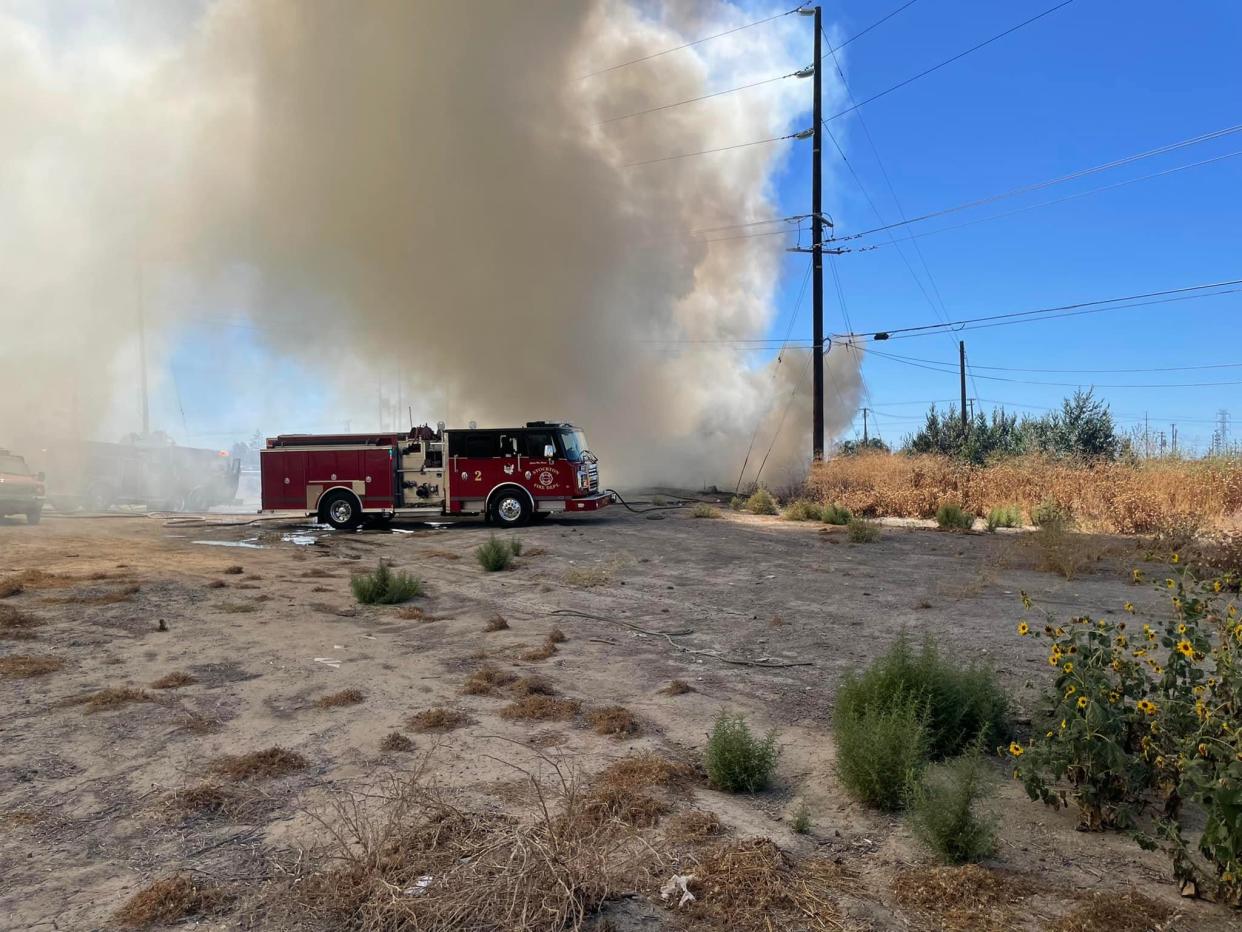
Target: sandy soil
[(84, 796)]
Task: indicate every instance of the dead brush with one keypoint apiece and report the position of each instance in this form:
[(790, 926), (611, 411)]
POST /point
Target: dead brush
[(588, 577), (396, 743), (17, 625), (32, 579), (693, 827), (414, 613), (557, 636), (542, 652), (614, 720), (344, 697), (168, 900), (208, 800), (233, 570), (27, 665), (539, 708), (677, 688), (1115, 911), (963, 898), (548, 868), (496, 623), (174, 680), (486, 680), (258, 765), (533, 685), (438, 719), (110, 597), (237, 608), (111, 697), (752, 884)]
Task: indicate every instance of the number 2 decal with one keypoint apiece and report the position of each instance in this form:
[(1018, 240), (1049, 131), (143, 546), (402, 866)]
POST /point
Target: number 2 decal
[(478, 475)]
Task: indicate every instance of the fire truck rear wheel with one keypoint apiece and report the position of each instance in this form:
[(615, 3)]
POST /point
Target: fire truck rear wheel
[(510, 509), (32, 517), (341, 510)]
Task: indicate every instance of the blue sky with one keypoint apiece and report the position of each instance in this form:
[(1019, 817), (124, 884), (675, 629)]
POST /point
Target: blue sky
[(1087, 84)]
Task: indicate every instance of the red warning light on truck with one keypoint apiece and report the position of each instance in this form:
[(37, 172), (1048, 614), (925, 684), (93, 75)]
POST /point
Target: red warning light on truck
[(511, 475)]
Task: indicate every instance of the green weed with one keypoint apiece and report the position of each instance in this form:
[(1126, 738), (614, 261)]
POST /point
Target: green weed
[(384, 587), (735, 759)]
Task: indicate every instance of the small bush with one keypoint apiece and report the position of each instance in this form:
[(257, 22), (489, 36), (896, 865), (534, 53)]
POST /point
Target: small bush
[(944, 810), (438, 719), (614, 720), (496, 623), (959, 704), (735, 759), (802, 510), (704, 510), (761, 503), (541, 708), (862, 531), (27, 665), (801, 821), (168, 900), (836, 514), (258, 765), (952, 517), (173, 680), (677, 688), (395, 742), (737, 503), (494, 554), (1049, 512), (351, 696), (881, 749), (515, 546), (384, 587), (1004, 516)]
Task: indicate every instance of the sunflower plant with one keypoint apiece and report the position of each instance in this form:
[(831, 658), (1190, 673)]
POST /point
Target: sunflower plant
[(1149, 716)]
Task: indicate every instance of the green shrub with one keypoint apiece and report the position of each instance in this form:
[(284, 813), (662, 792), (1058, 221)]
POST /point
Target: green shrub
[(761, 503), (494, 554), (1049, 513), (959, 704), (953, 517), (704, 510), (384, 587), (735, 759), (836, 514), (801, 821), (881, 749), (1004, 516), (737, 503), (862, 531), (944, 810), (803, 510), (515, 546)]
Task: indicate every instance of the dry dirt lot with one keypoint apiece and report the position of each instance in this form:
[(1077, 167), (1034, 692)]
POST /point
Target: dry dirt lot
[(94, 801)]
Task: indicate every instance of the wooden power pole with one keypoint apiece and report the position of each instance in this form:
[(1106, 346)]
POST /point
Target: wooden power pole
[(961, 364)]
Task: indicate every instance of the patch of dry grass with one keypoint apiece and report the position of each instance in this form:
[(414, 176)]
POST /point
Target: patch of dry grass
[(540, 708), (17, 625), (751, 884), (205, 800), (111, 597), (414, 613), (677, 688), (110, 698), (693, 827), (196, 723), (438, 719), (614, 720), (588, 577), (396, 743), (496, 623), (557, 636), (1116, 911), (168, 900), (217, 584), (173, 680), (542, 652), (1125, 498), (27, 665), (533, 685), (258, 765), (237, 608), (32, 579), (963, 899), (486, 680), (351, 696), (233, 570)]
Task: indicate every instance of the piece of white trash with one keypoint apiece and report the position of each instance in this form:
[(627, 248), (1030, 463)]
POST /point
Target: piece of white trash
[(328, 661), (678, 882), (420, 886)]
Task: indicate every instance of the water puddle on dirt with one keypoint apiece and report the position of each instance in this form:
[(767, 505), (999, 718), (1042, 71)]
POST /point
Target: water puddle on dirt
[(300, 540), (246, 544)]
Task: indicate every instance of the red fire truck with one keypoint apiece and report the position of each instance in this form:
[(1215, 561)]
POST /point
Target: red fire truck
[(511, 475)]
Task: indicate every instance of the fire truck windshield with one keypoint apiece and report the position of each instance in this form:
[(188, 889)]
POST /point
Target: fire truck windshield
[(14, 466), (575, 445)]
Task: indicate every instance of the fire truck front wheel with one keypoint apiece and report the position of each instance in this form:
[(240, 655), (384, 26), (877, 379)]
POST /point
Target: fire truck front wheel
[(341, 510), (510, 508)]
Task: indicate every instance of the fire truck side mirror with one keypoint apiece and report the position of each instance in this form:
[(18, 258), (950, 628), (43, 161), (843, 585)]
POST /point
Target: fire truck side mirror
[(549, 451)]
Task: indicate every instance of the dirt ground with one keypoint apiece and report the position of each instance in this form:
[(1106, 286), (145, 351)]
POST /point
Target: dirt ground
[(262, 618)]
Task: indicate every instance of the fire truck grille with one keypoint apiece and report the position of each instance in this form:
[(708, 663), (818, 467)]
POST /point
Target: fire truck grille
[(593, 477)]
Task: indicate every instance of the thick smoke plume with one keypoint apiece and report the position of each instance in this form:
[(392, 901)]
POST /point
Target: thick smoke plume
[(413, 192)]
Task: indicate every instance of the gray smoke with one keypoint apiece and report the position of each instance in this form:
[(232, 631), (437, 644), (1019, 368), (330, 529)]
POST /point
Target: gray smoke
[(416, 191)]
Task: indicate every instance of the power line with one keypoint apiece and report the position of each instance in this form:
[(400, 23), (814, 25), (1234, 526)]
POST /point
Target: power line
[(1048, 310), (1072, 176), (688, 155), (937, 362), (949, 61), (678, 48), (695, 100), (878, 22)]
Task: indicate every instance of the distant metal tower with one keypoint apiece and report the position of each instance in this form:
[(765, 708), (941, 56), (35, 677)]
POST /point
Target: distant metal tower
[(1220, 437)]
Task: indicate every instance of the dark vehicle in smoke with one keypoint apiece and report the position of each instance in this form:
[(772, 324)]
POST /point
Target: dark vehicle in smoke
[(511, 475), (148, 471), (21, 492)]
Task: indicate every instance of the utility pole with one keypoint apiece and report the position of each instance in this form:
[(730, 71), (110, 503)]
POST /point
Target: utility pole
[(1174, 431), (817, 255), (961, 364), (864, 427)]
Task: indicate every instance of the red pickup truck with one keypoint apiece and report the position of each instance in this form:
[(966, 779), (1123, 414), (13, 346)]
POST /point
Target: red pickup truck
[(20, 492)]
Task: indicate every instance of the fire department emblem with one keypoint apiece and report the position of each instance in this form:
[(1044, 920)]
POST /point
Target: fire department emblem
[(546, 478)]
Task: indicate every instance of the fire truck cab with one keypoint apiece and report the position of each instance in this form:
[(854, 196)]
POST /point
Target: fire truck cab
[(511, 475)]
